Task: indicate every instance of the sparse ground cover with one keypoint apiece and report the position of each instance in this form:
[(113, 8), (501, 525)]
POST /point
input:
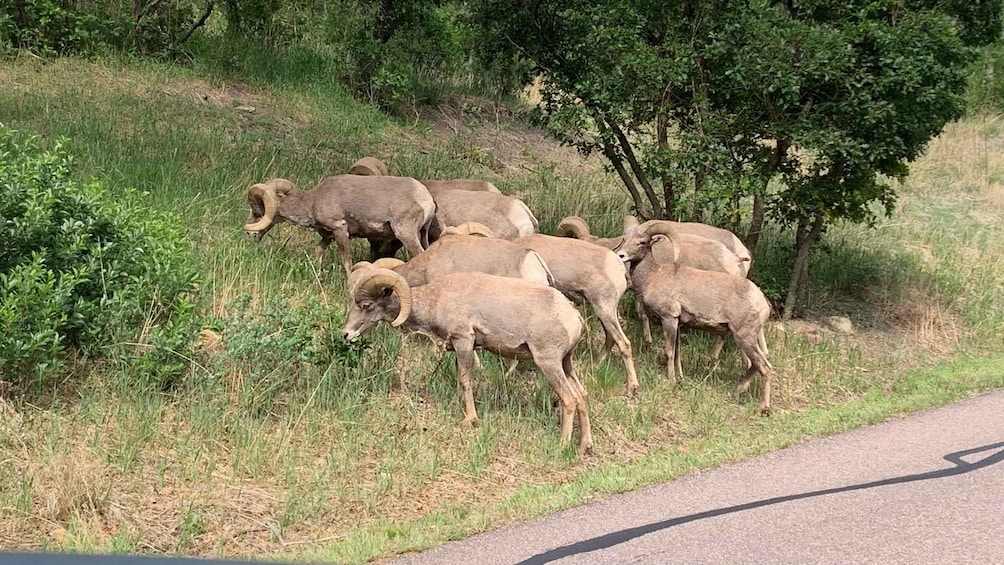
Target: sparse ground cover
[(286, 442)]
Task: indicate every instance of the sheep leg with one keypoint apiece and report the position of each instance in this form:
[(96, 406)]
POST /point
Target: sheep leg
[(322, 245), (756, 350), (344, 244), (646, 327), (582, 406), (410, 239), (671, 337), (567, 394), (608, 318), (466, 361), (716, 349), (512, 368)]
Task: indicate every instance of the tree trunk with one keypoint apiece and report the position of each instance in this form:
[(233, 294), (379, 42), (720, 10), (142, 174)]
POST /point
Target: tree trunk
[(700, 177), (382, 29), (668, 188), (805, 238), (198, 23), (611, 154), (622, 139), (756, 224), (781, 147)]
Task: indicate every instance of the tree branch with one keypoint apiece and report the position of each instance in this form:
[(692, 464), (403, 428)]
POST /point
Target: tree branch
[(199, 23), (622, 139), (615, 160)]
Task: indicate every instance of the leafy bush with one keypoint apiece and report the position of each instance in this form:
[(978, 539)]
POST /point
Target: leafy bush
[(59, 27), (86, 270)]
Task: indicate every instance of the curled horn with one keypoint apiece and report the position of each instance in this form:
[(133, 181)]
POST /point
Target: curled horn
[(378, 279), (369, 166), (263, 194), (629, 222), (388, 263), (574, 226), (662, 227), (470, 228)]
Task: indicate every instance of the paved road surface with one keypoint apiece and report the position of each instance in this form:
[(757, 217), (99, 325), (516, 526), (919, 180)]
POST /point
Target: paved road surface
[(928, 488)]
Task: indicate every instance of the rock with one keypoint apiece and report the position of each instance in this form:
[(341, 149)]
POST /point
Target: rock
[(248, 109), (838, 324)]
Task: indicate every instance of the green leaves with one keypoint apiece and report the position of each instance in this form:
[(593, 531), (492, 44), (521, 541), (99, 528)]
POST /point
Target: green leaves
[(85, 269)]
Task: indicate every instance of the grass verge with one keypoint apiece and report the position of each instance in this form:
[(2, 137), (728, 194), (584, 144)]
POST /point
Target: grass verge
[(285, 441)]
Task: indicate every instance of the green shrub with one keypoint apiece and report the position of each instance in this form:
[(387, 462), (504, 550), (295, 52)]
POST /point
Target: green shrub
[(83, 269), (281, 346)]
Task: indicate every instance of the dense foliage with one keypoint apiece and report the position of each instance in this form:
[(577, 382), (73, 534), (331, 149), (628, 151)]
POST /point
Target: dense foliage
[(86, 271), (699, 103)]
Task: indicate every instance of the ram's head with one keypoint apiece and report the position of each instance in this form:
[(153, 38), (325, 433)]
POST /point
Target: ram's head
[(263, 199), (638, 238), (375, 295)]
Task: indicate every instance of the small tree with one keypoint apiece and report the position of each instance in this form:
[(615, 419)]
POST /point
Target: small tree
[(698, 104)]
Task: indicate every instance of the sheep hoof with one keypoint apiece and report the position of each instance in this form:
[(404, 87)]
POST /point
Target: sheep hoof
[(632, 391), (764, 410), (470, 422), (586, 449)]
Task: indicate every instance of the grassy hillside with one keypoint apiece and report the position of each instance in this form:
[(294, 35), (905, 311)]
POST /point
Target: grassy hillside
[(287, 442)]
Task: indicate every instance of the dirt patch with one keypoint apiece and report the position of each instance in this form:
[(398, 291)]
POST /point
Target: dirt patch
[(492, 136)]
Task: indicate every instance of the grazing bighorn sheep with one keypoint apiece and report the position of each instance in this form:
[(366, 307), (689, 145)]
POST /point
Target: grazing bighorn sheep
[(717, 302), (465, 200), (697, 251), (346, 206), (585, 272), (513, 318), (635, 233), (576, 227), (470, 248), (374, 166), (508, 217)]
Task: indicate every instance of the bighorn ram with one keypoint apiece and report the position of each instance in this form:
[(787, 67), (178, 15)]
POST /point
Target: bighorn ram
[(346, 206), (635, 233), (507, 216), (697, 251), (513, 318), (717, 302), (465, 200), (585, 272), (470, 248), (374, 166)]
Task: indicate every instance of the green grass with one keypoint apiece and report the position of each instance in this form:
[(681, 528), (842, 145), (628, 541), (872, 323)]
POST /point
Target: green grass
[(286, 442)]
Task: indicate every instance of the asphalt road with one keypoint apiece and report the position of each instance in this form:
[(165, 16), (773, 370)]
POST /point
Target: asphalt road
[(928, 488)]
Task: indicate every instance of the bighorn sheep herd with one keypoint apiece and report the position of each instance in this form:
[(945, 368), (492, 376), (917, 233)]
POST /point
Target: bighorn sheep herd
[(481, 277)]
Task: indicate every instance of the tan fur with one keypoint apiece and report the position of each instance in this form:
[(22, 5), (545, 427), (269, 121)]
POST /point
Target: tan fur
[(379, 208), (513, 318), (506, 216), (585, 272), (461, 184), (457, 253), (717, 302)]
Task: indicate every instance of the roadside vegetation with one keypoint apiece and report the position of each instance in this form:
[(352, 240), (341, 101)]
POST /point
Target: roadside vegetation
[(270, 436)]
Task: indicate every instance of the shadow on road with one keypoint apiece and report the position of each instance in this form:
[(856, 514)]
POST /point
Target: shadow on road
[(614, 538)]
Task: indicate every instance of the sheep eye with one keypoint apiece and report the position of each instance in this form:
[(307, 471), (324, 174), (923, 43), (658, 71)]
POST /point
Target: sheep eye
[(366, 305)]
